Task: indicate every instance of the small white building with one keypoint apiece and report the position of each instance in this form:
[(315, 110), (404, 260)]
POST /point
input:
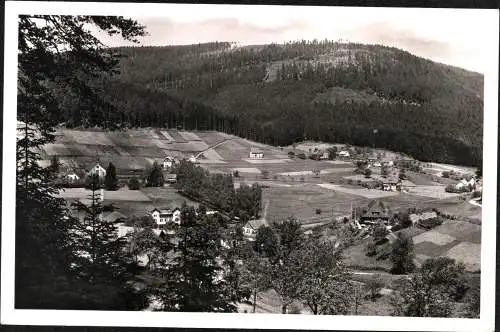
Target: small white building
[(192, 159), (251, 227), (73, 177), (256, 153), (344, 154), (168, 162), (98, 169), (164, 216)]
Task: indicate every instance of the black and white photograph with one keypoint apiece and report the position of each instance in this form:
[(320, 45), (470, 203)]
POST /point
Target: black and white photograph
[(280, 166)]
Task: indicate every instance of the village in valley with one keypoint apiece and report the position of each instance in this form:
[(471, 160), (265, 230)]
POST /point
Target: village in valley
[(358, 197), (313, 176)]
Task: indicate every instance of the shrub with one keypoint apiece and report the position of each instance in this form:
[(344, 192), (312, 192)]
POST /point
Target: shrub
[(374, 286), (133, 184), (291, 154), (371, 248), (430, 223), (318, 211), (302, 155), (236, 174), (445, 174)]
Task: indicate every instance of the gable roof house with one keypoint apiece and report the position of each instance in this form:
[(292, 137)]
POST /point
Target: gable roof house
[(251, 227), (392, 183), (376, 210), (169, 161), (164, 216), (97, 169)]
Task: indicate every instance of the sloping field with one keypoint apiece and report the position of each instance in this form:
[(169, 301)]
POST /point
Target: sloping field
[(189, 136), (166, 135), (88, 137), (177, 136), (232, 150), (211, 154), (211, 137)]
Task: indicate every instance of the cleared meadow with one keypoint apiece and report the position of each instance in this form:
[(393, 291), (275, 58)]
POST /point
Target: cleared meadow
[(367, 193)]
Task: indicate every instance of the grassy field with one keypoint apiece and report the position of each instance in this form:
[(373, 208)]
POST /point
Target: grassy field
[(302, 201)]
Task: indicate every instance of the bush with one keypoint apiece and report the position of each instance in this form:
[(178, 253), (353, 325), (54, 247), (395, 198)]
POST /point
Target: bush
[(374, 286), (291, 154), (236, 174), (452, 189), (302, 155), (371, 248), (445, 174), (133, 184), (318, 211), (430, 223)]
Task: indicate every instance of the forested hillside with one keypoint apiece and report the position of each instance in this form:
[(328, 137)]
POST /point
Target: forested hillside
[(278, 94)]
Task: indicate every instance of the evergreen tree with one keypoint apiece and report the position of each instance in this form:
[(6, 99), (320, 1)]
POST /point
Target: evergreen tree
[(402, 254), (193, 281), (43, 237), (110, 180), (102, 258), (155, 177)]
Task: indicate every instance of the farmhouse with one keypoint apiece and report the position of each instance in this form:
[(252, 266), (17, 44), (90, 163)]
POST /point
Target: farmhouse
[(168, 162), (392, 183), (256, 153), (375, 211), (466, 184), (163, 216), (251, 227), (98, 169)]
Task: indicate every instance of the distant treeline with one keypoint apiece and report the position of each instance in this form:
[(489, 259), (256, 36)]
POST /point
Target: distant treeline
[(408, 104)]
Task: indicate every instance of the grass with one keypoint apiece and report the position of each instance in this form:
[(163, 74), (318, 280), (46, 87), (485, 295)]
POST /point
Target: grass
[(301, 201)]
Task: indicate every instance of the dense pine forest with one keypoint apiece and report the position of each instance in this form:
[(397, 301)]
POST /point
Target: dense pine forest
[(366, 95)]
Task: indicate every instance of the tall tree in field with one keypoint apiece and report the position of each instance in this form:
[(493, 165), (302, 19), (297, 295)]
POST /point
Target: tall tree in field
[(110, 180), (53, 50), (155, 177)]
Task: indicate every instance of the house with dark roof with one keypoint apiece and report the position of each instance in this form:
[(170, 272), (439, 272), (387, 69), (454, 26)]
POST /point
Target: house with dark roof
[(375, 211)]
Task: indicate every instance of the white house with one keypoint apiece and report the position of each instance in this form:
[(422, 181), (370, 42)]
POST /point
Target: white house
[(168, 162), (256, 153), (251, 227), (73, 177), (98, 169), (164, 216), (344, 154)]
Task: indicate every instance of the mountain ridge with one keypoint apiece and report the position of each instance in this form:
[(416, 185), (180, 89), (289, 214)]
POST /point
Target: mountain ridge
[(281, 93)]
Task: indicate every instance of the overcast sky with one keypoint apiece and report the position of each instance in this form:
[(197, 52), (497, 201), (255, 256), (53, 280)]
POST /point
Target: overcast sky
[(452, 36)]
